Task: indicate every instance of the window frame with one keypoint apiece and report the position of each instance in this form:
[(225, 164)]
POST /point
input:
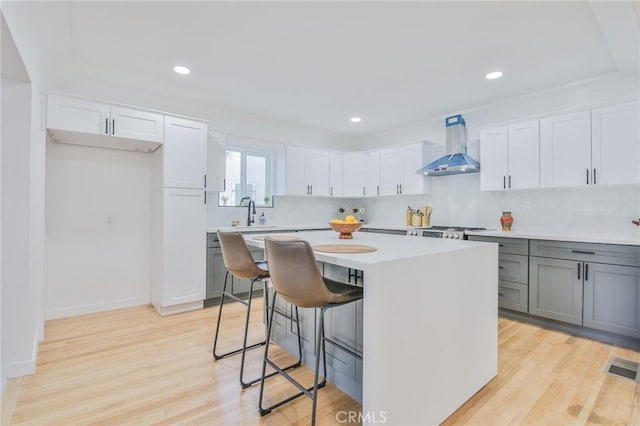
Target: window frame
[(269, 156)]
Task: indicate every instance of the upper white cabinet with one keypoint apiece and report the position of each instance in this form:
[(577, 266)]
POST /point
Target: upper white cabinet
[(336, 174), (355, 179), (372, 174), (185, 153), (565, 150), (398, 167), (615, 144), (510, 157), (216, 161), (84, 122), (307, 171)]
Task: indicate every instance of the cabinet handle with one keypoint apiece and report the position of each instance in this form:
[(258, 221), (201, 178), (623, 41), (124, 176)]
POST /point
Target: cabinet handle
[(363, 191), (579, 267), (509, 181), (401, 188), (307, 189), (397, 189), (587, 176), (205, 197), (504, 182), (500, 245), (500, 267), (331, 191), (106, 126), (205, 180), (586, 272), (378, 189), (501, 294), (113, 126), (594, 175), (224, 184), (311, 189), (583, 252)]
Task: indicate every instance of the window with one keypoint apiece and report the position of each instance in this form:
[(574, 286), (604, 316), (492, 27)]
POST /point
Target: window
[(248, 177)]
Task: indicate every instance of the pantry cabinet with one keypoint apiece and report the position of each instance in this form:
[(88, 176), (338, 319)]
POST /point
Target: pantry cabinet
[(185, 153), (307, 171), (615, 144), (510, 157), (91, 123), (398, 170)]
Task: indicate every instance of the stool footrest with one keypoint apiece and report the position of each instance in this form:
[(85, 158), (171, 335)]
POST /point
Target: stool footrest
[(237, 351)]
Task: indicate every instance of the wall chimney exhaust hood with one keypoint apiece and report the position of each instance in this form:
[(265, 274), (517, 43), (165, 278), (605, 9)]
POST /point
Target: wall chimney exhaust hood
[(456, 161)]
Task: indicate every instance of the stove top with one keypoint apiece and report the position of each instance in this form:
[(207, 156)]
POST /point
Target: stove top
[(454, 232), (455, 228)]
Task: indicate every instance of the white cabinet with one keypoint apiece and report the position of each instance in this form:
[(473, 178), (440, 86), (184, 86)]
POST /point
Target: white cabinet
[(84, 122), (216, 161), (372, 173), (185, 153), (615, 144), (510, 157), (178, 250), (307, 171), (398, 168), (336, 174), (355, 174), (565, 150)]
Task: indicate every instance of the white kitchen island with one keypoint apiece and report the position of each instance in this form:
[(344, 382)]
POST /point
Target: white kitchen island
[(430, 322)]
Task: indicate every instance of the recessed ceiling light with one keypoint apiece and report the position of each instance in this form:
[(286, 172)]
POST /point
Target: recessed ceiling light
[(493, 75), (356, 119), (180, 69)]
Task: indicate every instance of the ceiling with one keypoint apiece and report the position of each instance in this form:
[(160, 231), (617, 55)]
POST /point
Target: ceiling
[(320, 63)]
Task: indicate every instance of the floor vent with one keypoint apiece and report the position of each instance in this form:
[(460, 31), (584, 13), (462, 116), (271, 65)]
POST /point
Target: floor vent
[(623, 368)]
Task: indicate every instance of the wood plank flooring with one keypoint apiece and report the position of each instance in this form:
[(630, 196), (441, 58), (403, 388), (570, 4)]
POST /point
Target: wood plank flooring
[(133, 367)]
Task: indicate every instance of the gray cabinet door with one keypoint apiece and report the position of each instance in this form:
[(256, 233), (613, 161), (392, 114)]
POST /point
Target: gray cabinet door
[(340, 326), (514, 268), (612, 298), (555, 289), (215, 273), (513, 296)]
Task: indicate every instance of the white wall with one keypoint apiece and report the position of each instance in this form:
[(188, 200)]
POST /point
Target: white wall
[(98, 231), (19, 328)]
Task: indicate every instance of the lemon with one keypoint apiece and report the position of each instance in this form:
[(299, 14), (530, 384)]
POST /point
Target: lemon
[(350, 219), (336, 221)]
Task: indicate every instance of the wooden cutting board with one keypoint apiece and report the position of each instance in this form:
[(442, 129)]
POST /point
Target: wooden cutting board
[(277, 237), (344, 248)]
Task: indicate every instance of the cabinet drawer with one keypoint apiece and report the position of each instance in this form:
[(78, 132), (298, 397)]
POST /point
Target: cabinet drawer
[(506, 245), (587, 252), (514, 268), (212, 241), (513, 296)]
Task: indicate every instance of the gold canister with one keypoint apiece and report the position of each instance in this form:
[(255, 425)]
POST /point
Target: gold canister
[(409, 216)]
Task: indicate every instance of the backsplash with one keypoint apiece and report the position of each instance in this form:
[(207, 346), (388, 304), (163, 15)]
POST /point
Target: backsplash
[(457, 200)]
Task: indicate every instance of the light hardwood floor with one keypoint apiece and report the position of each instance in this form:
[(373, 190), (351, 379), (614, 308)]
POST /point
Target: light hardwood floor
[(133, 367)]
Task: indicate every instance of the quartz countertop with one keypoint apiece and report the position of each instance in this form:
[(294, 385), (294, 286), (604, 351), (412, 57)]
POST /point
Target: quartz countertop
[(279, 228), (576, 236)]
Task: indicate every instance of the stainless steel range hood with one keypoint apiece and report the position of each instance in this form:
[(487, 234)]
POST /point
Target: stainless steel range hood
[(456, 161)]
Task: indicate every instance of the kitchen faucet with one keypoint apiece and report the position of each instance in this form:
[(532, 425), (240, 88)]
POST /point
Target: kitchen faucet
[(251, 219)]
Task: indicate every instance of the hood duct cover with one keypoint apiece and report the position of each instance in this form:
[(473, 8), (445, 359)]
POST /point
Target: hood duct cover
[(456, 161)]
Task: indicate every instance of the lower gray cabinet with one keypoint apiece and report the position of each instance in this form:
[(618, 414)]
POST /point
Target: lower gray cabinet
[(612, 298), (555, 289), (513, 296)]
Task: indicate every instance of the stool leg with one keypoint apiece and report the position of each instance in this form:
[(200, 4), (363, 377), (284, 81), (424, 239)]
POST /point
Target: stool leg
[(266, 354), (215, 339), (321, 352), (244, 341)]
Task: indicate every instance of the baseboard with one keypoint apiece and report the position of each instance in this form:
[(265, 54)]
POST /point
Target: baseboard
[(176, 309), (92, 308)]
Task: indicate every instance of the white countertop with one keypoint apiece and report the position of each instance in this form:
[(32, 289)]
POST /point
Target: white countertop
[(279, 228), (390, 247), (582, 237)]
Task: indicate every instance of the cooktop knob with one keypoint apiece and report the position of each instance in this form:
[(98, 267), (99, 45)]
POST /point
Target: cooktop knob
[(456, 236), (445, 235)]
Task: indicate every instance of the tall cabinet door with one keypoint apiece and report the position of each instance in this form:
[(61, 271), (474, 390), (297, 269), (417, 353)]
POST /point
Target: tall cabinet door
[(493, 159), (524, 155), (135, 124), (318, 172), (390, 171), (185, 153), (616, 144), (296, 180), (185, 245), (565, 150), (612, 298), (555, 289), (412, 182), (336, 174), (354, 174), (372, 174)]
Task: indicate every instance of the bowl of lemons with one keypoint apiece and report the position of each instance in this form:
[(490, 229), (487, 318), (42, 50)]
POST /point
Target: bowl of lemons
[(345, 227)]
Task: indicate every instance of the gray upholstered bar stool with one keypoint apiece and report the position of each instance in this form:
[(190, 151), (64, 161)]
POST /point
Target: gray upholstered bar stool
[(240, 264), (296, 278)]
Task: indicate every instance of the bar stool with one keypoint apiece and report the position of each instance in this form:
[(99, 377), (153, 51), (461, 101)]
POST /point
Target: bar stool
[(240, 264), (296, 278)]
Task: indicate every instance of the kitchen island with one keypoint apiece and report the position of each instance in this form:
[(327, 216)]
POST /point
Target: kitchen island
[(430, 322)]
